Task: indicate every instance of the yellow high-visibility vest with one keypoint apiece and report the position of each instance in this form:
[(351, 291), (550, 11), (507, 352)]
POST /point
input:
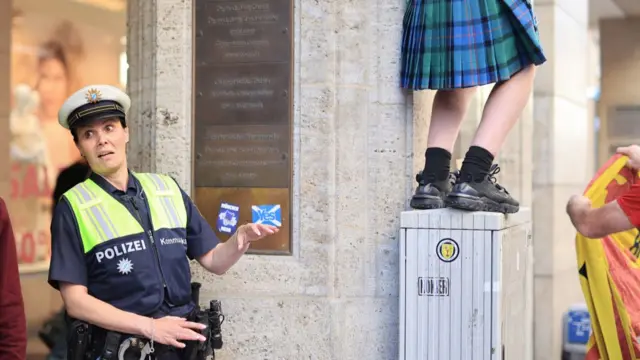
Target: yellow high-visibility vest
[(130, 267), (102, 218)]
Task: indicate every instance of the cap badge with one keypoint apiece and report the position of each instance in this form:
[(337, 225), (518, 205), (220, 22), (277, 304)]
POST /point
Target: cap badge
[(93, 96)]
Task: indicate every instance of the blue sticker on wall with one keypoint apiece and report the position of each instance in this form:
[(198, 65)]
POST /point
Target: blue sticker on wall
[(267, 215), (228, 218)]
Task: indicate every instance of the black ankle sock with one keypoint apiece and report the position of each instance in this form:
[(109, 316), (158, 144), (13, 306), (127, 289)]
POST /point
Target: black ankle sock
[(437, 164), (476, 165)]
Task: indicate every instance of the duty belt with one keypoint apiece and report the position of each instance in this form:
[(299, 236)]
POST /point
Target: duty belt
[(86, 342), (132, 348), (134, 344)]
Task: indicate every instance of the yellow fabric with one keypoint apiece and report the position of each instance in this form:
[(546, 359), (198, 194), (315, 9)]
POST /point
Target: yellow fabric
[(167, 207), (101, 218), (612, 283)]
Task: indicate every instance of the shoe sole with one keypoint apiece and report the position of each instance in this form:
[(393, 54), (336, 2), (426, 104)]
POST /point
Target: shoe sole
[(480, 204), (426, 203)]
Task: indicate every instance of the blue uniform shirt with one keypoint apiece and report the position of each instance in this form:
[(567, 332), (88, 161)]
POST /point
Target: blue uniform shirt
[(68, 261)]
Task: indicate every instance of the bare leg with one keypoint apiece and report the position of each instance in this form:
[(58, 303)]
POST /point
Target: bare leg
[(503, 108), (449, 109), (477, 191)]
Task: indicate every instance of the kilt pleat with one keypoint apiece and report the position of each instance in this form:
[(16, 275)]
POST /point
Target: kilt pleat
[(449, 44)]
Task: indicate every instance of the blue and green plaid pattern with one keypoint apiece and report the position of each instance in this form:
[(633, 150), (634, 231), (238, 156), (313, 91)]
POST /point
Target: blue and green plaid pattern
[(448, 44)]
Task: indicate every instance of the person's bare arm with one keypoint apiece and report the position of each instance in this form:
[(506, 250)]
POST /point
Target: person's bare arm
[(168, 330), (220, 259), (616, 216), (597, 223), (82, 306)]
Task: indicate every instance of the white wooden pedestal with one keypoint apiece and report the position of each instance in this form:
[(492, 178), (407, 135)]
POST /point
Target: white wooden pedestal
[(466, 285)]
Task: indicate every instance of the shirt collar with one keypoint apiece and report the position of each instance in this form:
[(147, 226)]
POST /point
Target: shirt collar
[(106, 186)]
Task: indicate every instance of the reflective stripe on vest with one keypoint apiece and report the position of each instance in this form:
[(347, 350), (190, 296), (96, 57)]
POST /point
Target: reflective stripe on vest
[(101, 218), (165, 201)]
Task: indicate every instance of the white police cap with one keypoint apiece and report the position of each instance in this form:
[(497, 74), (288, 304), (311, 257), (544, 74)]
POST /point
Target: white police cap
[(94, 102)]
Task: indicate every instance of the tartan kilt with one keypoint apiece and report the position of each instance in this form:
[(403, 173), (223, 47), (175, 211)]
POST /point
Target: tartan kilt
[(449, 44)]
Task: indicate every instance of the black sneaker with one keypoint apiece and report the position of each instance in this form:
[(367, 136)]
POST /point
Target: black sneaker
[(486, 195), (431, 195)]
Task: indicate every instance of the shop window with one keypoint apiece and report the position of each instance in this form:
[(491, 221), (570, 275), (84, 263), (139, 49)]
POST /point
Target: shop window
[(57, 47)]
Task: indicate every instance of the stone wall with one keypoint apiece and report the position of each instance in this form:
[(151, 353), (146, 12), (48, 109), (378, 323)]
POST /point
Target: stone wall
[(160, 78), (619, 106), (563, 158), (337, 296)]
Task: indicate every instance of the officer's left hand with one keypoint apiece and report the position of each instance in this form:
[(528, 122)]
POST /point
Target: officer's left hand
[(248, 233)]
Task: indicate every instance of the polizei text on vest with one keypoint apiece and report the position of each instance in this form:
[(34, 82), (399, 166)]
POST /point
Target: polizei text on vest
[(119, 250)]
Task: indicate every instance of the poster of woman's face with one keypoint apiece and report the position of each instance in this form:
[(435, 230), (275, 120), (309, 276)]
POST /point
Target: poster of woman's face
[(56, 49), (53, 77)]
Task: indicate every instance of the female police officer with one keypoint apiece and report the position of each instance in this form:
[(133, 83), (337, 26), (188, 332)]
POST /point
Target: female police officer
[(121, 240)]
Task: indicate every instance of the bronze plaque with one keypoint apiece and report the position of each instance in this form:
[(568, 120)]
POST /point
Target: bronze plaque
[(243, 107), (209, 200)]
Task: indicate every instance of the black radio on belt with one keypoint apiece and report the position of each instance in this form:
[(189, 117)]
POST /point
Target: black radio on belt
[(216, 318), (213, 319), (79, 341)]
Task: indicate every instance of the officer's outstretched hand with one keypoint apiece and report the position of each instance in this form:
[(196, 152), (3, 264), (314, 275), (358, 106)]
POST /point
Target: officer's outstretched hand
[(169, 330), (248, 233)]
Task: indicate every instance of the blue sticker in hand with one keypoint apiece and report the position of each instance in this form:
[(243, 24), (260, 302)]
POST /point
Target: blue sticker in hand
[(267, 215), (228, 218)]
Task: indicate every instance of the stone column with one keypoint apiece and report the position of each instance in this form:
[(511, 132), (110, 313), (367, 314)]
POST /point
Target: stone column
[(159, 51), (619, 106), (562, 157), (337, 296)]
